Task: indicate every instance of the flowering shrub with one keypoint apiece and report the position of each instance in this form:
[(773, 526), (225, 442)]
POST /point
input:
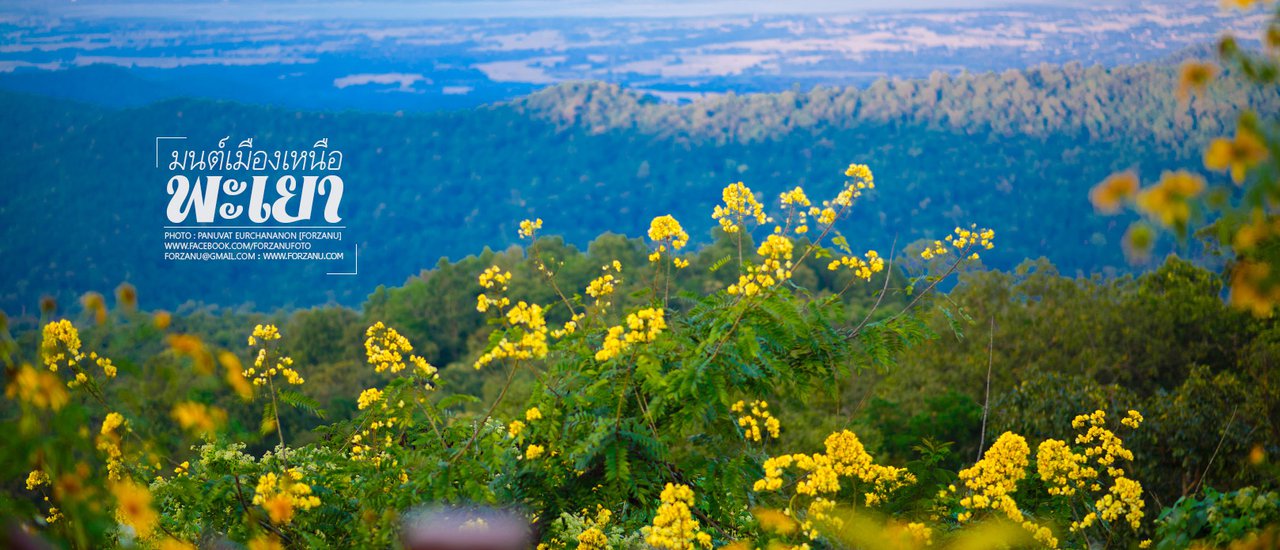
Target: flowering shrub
[(649, 424)]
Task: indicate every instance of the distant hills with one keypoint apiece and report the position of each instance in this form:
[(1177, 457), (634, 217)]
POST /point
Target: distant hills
[(84, 204), (111, 55)]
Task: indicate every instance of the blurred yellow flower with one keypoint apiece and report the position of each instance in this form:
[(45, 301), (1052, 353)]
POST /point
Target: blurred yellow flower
[(133, 507), (1236, 155), (1107, 197)]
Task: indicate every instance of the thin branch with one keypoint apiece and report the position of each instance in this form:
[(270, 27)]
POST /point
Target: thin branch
[(476, 434), (888, 276), (1209, 464), (986, 402)]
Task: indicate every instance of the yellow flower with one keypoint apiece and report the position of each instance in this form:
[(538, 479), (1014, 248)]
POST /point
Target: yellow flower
[(529, 227), (266, 333), (368, 398), (198, 418), (1242, 4), (674, 526), (862, 176), (175, 544), (1195, 77), (740, 205), (161, 319), (862, 269), (642, 326), (235, 375), (775, 267), (992, 481), (60, 345), (39, 388), (751, 422), (265, 542), (1108, 196), (1169, 199), (385, 348), (133, 507), (280, 495), (533, 451), (515, 428), (1251, 288), (37, 479), (532, 342), (533, 414), (1064, 471), (1235, 155), (665, 229)]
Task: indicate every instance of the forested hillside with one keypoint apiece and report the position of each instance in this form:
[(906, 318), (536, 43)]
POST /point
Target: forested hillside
[(1007, 149)]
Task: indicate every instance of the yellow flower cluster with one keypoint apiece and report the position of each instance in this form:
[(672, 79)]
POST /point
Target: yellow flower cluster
[(1236, 155), (963, 240), (60, 345), (385, 348), (266, 333), (775, 267), (1124, 497), (674, 527), (493, 278), (516, 427), (1195, 76), (1168, 201), (992, 481), (133, 508), (751, 420), (862, 177), (108, 368), (533, 451), (795, 202), (593, 537), (1123, 500), (39, 388), (533, 340), (528, 228), (109, 443), (740, 205), (665, 230), (604, 285), (263, 367), (862, 269), (37, 479), (364, 444), (642, 326), (1252, 288), (1108, 196), (280, 495), (198, 418), (1064, 471), (845, 457), (1102, 444), (368, 398), (570, 326)]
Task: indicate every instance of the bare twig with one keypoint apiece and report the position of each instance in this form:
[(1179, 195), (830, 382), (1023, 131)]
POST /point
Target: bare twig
[(986, 402), (1209, 464), (888, 276)]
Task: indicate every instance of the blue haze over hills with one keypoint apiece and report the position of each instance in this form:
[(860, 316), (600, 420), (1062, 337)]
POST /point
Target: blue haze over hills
[(392, 56)]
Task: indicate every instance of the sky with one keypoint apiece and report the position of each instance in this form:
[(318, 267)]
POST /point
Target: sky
[(450, 9)]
